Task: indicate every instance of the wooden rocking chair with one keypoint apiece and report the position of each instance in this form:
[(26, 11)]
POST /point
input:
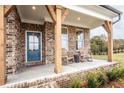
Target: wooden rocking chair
[(67, 57), (85, 55)]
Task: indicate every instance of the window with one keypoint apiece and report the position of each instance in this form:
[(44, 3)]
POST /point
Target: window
[(64, 38), (34, 42), (79, 40)]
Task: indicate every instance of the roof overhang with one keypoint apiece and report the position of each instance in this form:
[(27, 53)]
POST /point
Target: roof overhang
[(91, 16), (86, 10)]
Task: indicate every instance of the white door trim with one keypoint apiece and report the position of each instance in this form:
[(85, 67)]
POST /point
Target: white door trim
[(26, 44)]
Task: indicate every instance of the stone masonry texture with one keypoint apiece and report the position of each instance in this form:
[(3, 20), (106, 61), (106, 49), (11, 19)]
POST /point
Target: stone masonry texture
[(33, 27), (15, 41)]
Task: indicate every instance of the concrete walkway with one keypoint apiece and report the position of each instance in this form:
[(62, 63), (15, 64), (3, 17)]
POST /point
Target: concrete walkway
[(42, 71)]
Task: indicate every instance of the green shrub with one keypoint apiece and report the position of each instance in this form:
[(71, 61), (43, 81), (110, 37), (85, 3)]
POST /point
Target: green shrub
[(121, 72), (97, 79), (76, 83), (102, 78), (115, 73), (112, 74), (92, 80)]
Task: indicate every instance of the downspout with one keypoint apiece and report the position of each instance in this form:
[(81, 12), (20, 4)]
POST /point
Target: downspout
[(111, 9), (119, 18)]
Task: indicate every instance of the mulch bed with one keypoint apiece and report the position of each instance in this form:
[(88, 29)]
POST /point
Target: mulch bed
[(116, 84)]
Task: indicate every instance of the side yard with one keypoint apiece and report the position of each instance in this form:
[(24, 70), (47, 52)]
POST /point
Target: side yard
[(118, 57)]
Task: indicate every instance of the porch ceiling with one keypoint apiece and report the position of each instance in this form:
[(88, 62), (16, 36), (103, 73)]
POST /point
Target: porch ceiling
[(40, 14)]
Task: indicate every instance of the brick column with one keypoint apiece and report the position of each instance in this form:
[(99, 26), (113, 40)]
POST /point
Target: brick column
[(2, 47)]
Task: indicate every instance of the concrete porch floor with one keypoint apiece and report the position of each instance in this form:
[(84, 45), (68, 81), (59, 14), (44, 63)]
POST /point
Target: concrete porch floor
[(42, 71)]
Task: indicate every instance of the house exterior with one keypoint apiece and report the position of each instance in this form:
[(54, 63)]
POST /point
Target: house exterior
[(35, 35)]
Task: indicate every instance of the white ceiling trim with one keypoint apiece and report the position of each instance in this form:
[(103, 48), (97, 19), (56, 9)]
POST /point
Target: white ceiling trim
[(75, 24), (87, 12), (32, 21)]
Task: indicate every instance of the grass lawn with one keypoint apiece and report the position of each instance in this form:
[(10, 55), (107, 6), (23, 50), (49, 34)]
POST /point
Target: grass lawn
[(118, 57)]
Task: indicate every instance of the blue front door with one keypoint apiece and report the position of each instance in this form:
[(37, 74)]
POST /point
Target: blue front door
[(33, 46)]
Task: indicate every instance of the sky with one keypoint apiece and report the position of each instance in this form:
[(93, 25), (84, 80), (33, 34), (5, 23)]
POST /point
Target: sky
[(118, 28)]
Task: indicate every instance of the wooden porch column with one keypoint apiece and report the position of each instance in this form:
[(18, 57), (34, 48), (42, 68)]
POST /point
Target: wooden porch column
[(108, 27), (58, 16), (58, 49), (110, 47), (2, 48)]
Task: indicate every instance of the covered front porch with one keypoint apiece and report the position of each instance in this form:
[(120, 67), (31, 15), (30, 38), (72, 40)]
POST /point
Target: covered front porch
[(44, 72), (49, 20)]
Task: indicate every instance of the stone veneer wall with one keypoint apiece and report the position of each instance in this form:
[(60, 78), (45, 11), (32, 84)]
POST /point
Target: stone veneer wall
[(15, 41), (49, 40), (32, 27), (13, 45), (87, 38), (72, 36)]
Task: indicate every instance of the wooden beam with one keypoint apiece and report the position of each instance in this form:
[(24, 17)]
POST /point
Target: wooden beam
[(107, 23), (58, 49), (2, 48), (52, 13), (8, 9), (110, 42), (110, 47), (108, 27), (66, 12)]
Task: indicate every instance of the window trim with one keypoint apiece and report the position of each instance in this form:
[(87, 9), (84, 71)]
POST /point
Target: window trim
[(78, 30), (67, 37)]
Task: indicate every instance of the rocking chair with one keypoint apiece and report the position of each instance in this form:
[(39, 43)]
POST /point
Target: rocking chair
[(85, 55), (66, 57)]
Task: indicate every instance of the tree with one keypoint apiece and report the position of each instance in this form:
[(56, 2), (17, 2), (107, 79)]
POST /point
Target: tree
[(98, 45), (118, 45)]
